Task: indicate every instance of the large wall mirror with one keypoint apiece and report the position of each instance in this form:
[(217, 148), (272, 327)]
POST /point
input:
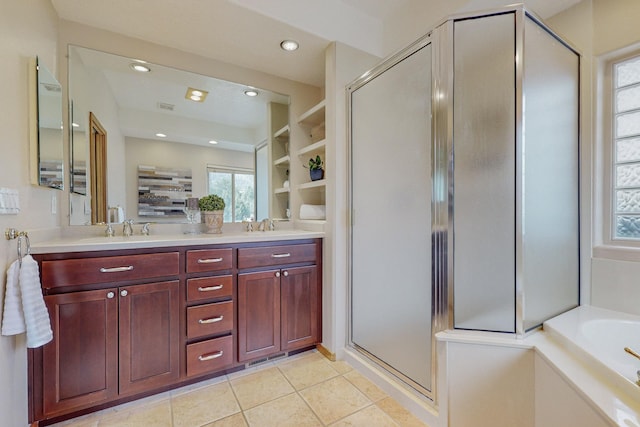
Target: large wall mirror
[(144, 137), (46, 133)]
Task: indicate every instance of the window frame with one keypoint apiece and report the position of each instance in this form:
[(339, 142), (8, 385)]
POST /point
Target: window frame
[(613, 246), (233, 171)]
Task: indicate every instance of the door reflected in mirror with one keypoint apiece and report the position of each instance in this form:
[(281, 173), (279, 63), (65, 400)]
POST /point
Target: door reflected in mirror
[(153, 122)]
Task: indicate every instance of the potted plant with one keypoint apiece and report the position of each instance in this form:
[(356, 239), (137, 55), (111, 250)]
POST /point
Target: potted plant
[(212, 207), (315, 168)]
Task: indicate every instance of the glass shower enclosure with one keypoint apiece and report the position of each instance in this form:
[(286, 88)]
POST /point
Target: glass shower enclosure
[(464, 189)]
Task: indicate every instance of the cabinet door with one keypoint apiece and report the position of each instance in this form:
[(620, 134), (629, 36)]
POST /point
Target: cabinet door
[(258, 314), (149, 337), (300, 307), (80, 366)]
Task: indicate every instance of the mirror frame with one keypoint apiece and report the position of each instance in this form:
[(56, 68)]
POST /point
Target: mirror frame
[(37, 117)]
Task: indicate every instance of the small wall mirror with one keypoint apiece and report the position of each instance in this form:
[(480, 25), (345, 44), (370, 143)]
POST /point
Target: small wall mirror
[(46, 129)]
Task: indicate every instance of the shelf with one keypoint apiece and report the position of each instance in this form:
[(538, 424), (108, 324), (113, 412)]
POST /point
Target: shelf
[(282, 161), (282, 133), (283, 190), (316, 146), (312, 221), (313, 184), (314, 116)]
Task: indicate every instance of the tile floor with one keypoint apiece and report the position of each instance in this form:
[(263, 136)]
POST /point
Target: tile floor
[(303, 390)]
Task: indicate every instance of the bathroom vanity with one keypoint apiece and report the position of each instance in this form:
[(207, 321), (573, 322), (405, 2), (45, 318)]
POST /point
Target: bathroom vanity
[(133, 318)]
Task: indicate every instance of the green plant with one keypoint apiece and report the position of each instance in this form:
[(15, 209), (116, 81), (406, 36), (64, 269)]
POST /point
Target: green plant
[(212, 202), (315, 163)]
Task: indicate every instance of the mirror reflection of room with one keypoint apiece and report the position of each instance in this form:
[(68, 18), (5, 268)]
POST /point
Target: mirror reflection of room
[(172, 135), (49, 129)]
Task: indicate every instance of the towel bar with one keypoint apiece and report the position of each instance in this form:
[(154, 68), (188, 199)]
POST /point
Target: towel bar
[(12, 233)]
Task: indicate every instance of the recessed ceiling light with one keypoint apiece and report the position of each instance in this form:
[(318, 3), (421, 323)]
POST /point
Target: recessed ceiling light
[(197, 95), (161, 135), (289, 45), (140, 68), (251, 92), (213, 142)]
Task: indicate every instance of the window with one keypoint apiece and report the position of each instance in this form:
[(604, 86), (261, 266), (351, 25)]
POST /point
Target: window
[(237, 188), (625, 132)]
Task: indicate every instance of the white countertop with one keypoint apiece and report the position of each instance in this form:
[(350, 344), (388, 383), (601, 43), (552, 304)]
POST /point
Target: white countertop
[(99, 243)]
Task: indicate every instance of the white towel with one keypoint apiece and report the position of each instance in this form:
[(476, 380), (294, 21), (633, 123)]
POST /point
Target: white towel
[(36, 316), (24, 306), (313, 212), (13, 317)]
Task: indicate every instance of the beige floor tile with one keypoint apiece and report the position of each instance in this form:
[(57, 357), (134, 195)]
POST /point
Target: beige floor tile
[(341, 366), (287, 411), (85, 421), (366, 386), (334, 399), (252, 370), (204, 405), (196, 386), (236, 420), (371, 416), (399, 414), (157, 415), (260, 387), (308, 371)]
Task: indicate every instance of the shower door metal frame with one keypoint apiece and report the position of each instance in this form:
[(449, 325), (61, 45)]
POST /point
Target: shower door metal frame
[(364, 79)]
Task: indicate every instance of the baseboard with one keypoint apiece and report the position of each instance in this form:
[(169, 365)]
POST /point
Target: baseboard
[(325, 352)]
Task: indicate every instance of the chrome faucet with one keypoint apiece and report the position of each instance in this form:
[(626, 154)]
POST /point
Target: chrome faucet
[(145, 229), (265, 224), (109, 232), (127, 227)]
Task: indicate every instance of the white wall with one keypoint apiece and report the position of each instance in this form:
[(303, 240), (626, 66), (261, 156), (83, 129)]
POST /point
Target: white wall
[(489, 385), (28, 28)]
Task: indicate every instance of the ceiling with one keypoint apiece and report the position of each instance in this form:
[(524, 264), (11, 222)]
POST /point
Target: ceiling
[(248, 33)]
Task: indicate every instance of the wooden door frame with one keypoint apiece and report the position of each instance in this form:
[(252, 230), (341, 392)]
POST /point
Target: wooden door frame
[(98, 170)]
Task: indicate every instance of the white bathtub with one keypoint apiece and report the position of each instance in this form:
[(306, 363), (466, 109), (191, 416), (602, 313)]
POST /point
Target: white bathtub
[(600, 336)]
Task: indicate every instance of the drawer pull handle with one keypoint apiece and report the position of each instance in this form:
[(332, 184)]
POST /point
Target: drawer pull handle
[(116, 269), (210, 288), (284, 255), (210, 320), (209, 260), (210, 356)]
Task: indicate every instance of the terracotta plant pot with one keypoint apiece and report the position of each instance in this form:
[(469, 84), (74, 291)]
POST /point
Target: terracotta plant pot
[(213, 221)]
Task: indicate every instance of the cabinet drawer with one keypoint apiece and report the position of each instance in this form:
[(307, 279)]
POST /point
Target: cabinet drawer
[(209, 319), (209, 287), (209, 356), (83, 271), (209, 260), (275, 255)]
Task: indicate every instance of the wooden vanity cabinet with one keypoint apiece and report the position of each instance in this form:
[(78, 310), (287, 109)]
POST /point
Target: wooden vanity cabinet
[(129, 323), (210, 311), (279, 299), (108, 343)]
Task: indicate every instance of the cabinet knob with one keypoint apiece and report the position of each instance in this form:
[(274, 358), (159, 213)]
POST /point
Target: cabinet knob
[(124, 293), (285, 273), (110, 295), (277, 274)]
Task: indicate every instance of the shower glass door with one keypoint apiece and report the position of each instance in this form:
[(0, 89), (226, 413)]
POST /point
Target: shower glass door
[(391, 292)]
